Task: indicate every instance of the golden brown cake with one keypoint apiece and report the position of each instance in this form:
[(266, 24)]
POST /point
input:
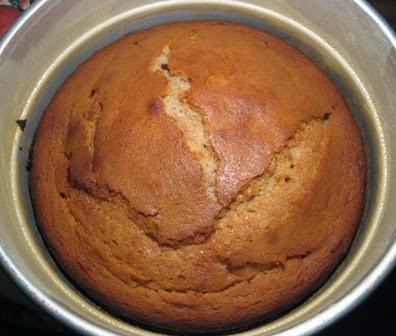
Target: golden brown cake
[(198, 176)]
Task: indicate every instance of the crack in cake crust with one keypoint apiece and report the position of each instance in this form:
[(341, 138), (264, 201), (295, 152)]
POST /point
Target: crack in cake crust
[(253, 187), (189, 119)]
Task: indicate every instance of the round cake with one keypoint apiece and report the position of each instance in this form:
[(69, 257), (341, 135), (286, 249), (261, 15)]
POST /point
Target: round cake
[(198, 176)]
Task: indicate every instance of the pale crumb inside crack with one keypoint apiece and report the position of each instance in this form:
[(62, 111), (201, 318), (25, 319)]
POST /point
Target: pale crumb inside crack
[(189, 120), (283, 161)]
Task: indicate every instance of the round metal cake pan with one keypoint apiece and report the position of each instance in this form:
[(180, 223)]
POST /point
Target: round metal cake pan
[(346, 38)]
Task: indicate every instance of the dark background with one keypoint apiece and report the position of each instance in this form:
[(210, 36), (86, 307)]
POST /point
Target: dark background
[(375, 316)]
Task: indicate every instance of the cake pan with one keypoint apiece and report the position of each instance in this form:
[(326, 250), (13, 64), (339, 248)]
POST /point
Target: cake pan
[(346, 38)]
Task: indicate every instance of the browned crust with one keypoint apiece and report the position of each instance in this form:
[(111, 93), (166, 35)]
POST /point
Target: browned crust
[(119, 198)]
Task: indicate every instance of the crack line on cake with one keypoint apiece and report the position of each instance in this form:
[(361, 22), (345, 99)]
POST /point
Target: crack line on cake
[(190, 121), (104, 193), (250, 270), (254, 187)]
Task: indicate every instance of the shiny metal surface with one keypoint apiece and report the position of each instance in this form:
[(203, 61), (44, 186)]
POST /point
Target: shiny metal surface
[(346, 38)]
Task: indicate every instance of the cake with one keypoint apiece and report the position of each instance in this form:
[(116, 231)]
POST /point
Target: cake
[(198, 176)]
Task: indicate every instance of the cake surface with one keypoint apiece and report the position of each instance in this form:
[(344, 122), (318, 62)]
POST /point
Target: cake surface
[(198, 176)]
